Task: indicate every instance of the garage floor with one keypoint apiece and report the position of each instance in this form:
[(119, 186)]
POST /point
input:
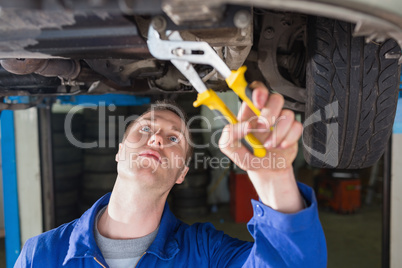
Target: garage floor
[(353, 240)]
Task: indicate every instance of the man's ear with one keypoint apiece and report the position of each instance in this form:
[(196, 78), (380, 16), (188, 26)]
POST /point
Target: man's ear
[(183, 173), (118, 152)]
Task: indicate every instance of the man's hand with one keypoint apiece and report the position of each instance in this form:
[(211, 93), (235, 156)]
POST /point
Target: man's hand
[(272, 175)]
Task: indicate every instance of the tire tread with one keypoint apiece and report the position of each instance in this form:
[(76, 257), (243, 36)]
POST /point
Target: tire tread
[(364, 82)]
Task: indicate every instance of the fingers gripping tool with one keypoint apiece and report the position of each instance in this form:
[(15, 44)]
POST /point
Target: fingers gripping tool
[(183, 54)]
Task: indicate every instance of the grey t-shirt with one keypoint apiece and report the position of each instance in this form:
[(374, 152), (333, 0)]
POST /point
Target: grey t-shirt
[(121, 253)]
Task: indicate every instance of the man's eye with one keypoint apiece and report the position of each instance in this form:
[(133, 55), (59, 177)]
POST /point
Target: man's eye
[(174, 139), (146, 129)]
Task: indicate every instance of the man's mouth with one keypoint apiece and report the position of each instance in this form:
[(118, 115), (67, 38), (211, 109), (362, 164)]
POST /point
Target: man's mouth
[(151, 154)]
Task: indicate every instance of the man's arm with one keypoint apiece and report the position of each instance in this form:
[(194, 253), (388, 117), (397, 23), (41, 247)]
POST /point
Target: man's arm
[(294, 240), (281, 203), (287, 240), (272, 175)]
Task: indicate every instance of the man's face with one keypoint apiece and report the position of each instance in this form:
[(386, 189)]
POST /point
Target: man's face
[(154, 150)]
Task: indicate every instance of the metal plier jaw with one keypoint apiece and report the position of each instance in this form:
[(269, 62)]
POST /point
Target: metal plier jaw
[(183, 54)]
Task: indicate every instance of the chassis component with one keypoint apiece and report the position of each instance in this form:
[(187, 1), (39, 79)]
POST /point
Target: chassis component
[(108, 39)]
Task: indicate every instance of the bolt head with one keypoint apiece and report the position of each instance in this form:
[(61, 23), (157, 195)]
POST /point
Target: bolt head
[(242, 19), (159, 23), (269, 33)]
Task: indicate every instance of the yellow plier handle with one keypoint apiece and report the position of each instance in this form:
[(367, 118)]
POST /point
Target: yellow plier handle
[(215, 104), (237, 82)]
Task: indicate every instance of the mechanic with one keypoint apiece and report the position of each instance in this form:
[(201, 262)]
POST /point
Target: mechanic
[(133, 226)]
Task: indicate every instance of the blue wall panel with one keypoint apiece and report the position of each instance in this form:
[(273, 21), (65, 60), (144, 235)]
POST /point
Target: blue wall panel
[(10, 189)]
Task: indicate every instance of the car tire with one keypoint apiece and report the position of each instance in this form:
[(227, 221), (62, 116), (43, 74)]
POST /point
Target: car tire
[(352, 90), (62, 155), (98, 181), (61, 140), (67, 171), (58, 121), (100, 163)]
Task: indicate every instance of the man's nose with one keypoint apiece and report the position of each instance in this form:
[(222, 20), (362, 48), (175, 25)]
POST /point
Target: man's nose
[(156, 139)]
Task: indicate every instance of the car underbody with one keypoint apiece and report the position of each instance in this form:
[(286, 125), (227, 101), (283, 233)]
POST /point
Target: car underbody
[(52, 48), (104, 44)]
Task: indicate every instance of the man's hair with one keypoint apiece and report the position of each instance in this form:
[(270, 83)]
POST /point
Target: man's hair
[(168, 105)]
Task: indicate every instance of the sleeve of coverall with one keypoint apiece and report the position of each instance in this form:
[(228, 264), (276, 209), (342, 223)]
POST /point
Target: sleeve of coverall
[(287, 240)]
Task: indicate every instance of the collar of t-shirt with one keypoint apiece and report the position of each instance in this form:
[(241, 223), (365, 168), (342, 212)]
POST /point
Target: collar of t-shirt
[(122, 252)]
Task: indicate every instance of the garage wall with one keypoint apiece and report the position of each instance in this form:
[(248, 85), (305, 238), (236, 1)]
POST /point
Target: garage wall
[(396, 188), (396, 202), (28, 173)]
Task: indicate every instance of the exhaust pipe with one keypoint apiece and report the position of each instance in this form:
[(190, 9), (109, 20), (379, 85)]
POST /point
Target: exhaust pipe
[(67, 69)]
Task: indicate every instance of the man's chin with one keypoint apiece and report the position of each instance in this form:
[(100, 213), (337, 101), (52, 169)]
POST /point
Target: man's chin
[(147, 163), (149, 170)]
